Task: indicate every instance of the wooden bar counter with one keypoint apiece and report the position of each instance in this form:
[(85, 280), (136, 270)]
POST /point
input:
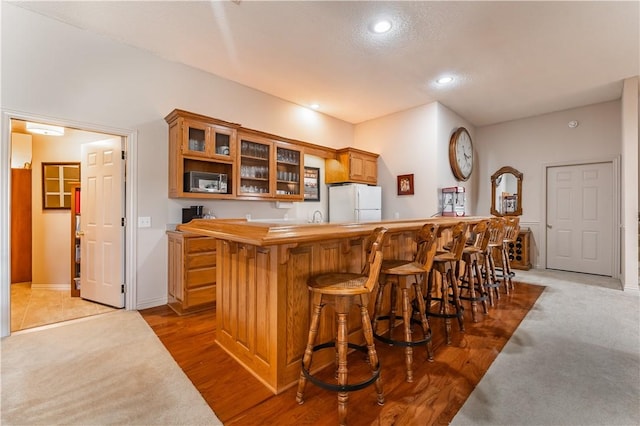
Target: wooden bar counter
[(262, 300)]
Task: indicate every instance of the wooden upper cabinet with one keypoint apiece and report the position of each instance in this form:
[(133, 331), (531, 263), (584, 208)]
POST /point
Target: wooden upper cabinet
[(199, 145), (352, 165), (268, 168)]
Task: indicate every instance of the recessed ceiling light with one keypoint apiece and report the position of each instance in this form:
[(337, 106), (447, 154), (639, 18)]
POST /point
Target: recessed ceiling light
[(444, 80), (381, 26), (45, 129), (314, 106), (573, 124)]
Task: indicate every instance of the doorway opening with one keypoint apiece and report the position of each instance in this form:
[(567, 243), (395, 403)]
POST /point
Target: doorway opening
[(45, 296)]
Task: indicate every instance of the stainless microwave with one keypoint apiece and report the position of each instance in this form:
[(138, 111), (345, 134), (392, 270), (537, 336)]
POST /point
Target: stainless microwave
[(205, 182)]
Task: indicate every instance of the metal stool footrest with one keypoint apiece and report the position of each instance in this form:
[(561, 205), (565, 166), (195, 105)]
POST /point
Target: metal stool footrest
[(403, 343), (439, 315), (341, 388)]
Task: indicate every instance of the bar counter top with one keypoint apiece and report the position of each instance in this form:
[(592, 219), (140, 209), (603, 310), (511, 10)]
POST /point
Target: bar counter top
[(266, 233)]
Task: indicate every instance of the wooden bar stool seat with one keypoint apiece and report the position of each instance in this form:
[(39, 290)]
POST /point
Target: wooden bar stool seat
[(445, 265), (342, 290), (472, 283), (403, 275)]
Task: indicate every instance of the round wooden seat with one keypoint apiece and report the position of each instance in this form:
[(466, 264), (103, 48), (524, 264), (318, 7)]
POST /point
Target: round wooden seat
[(396, 272), (445, 265), (342, 290)]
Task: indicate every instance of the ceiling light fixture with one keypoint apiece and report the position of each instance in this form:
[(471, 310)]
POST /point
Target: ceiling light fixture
[(444, 80), (45, 129), (573, 124), (381, 26), (314, 106)]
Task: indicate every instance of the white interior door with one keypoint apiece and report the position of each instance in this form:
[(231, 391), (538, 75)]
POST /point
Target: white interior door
[(580, 218), (102, 210)]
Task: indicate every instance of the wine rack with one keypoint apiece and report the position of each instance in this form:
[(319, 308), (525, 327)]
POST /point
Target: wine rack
[(519, 251), (519, 257)]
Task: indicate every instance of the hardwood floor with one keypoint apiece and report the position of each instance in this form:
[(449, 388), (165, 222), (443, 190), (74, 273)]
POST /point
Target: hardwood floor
[(437, 393)]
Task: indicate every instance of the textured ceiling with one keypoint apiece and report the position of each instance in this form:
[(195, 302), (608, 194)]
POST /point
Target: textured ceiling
[(510, 59)]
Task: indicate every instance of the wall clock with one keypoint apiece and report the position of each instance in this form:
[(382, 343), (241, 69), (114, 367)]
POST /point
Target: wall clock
[(461, 154)]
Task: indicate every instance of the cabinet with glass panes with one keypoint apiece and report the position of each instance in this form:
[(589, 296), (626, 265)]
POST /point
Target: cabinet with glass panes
[(288, 172), (268, 168), (201, 156)]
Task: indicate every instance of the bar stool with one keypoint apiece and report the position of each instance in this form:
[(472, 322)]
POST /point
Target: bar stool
[(342, 290), (396, 272), (494, 247), (473, 280), (511, 231), (445, 265)]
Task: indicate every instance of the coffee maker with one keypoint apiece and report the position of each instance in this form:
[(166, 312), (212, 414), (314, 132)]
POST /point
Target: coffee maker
[(193, 212)]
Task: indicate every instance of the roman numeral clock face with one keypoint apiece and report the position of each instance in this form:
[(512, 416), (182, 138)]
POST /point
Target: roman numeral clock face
[(461, 154)]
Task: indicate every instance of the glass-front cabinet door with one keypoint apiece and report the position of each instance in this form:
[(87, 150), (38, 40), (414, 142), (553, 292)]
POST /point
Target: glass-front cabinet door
[(205, 140), (254, 167), (288, 172)]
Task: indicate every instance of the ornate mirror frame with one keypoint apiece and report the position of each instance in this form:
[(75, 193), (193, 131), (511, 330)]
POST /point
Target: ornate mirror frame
[(494, 186)]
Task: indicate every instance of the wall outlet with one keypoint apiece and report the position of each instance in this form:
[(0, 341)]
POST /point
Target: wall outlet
[(144, 221)]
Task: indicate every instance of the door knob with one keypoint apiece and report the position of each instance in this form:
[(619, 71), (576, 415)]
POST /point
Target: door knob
[(80, 233), (549, 226)]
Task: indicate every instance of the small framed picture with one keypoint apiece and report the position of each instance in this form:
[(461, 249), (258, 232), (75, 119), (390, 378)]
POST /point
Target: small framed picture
[(405, 184), (312, 184)]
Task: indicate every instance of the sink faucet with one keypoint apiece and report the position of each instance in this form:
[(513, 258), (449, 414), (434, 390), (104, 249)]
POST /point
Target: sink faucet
[(317, 220)]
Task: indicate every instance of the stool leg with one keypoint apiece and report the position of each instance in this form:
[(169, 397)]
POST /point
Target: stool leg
[(341, 346), (481, 288), (456, 299), (308, 352), (444, 303), (472, 289), (422, 310), (392, 307), (505, 269), (377, 311), (406, 316), (494, 277), (374, 363)]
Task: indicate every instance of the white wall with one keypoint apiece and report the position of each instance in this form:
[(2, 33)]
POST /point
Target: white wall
[(51, 234), (630, 137), (21, 150), (415, 141), (448, 121), (51, 69), (531, 143)]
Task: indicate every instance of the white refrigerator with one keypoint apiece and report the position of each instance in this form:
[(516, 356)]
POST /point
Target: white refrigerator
[(355, 202)]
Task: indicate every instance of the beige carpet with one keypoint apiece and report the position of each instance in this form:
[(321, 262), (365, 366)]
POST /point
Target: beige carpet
[(106, 369)]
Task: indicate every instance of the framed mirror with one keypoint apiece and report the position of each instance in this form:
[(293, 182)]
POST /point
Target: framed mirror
[(506, 192)]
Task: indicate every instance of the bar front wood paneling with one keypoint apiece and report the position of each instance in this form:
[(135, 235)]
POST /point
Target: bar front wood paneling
[(262, 300)]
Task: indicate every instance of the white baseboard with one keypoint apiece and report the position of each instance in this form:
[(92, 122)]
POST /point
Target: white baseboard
[(35, 286)]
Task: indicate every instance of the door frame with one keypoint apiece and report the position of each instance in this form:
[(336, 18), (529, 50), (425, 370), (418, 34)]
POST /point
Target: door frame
[(617, 222), (130, 242)]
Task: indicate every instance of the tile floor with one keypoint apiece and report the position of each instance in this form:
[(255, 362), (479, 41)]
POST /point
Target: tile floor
[(36, 307)]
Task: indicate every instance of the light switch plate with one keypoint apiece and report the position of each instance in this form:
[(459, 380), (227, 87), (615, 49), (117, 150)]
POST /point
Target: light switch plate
[(144, 222)]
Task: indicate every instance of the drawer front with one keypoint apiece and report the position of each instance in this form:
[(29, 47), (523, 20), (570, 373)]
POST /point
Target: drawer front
[(201, 277), (199, 244), (200, 260), (200, 296)]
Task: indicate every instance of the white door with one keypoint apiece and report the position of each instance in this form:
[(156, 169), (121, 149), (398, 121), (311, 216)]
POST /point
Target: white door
[(102, 210), (580, 218)]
